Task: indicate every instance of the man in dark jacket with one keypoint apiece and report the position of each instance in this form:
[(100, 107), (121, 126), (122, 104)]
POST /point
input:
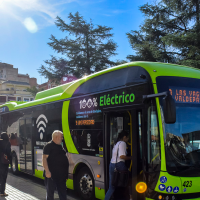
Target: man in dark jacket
[(5, 156), (56, 165)]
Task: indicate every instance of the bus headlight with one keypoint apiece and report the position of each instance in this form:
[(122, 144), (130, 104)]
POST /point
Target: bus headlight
[(141, 187)]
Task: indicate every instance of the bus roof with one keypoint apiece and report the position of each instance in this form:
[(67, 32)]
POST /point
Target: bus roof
[(65, 91)]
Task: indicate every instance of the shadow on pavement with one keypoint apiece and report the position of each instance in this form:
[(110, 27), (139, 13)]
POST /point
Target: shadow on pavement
[(31, 186)]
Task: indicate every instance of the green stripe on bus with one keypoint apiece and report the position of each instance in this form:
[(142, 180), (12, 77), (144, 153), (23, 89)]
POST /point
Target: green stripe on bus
[(66, 132), (39, 174), (162, 146), (99, 194), (70, 184)]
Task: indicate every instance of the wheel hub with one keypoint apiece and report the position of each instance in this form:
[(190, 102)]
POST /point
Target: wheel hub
[(86, 185)]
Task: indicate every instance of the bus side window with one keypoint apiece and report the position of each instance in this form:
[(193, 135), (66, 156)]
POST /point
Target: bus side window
[(153, 137)]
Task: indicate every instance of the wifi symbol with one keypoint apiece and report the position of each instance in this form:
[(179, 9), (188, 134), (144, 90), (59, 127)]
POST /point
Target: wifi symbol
[(41, 125)]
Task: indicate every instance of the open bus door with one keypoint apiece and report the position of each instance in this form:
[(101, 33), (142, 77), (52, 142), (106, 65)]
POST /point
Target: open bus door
[(25, 135), (138, 143), (146, 147), (130, 121)]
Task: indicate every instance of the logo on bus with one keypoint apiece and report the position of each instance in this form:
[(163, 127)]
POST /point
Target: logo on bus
[(89, 103), (163, 179), (107, 100), (88, 140), (176, 189), (161, 187), (169, 189), (41, 125)]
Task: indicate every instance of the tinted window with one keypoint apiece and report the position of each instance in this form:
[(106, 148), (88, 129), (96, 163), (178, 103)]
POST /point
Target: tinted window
[(2, 98), (182, 138), (118, 78), (86, 127), (10, 122)]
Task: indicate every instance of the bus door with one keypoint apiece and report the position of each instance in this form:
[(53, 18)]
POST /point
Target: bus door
[(25, 135), (130, 121), (145, 150), (114, 123), (137, 151)]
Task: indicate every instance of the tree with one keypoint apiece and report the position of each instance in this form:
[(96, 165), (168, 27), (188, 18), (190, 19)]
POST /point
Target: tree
[(120, 62), (33, 90), (170, 33), (85, 49)]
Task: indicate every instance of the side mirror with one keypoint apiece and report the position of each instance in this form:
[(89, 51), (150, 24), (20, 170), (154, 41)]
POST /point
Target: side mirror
[(169, 109)]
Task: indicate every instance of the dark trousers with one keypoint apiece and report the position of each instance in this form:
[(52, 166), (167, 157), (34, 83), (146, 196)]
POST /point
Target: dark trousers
[(122, 193), (59, 184), (121, 166), (3, 177)]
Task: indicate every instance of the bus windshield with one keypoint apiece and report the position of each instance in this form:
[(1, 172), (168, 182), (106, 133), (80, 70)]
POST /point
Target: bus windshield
[(182, 139)]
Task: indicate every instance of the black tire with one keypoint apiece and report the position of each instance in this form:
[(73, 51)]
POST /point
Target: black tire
[(14, 165), (85, 184)]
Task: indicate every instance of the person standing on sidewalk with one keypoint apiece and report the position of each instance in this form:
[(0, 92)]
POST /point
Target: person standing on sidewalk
[(5, 157), (56, 165)]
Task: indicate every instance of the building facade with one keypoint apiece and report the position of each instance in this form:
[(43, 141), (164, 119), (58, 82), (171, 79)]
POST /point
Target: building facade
[(13, 86), (47, 85)]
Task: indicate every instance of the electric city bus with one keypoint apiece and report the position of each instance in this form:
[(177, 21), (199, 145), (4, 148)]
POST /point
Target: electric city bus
[(158, 104)]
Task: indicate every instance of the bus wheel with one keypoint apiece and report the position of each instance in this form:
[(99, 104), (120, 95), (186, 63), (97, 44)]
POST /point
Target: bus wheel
[(14, 164), (85, 184)]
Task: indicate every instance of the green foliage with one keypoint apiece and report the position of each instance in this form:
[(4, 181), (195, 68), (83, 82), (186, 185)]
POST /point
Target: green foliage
[(170, 33), (33, 90), (85, 49), (120, 62)]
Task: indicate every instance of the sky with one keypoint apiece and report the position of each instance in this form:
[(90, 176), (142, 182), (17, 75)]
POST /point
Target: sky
[(26, 26)]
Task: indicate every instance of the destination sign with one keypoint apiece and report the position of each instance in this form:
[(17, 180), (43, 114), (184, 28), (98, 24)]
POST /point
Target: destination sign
[(85, 122), (185, 94)]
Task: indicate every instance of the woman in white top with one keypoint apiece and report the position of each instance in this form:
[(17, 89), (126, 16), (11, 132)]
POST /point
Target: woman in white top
[(118, 162)]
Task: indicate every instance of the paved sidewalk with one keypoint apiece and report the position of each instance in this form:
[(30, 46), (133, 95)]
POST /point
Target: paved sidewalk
[(24, 189)]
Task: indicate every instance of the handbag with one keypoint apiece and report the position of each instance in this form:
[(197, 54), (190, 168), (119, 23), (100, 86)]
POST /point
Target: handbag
[(4, 159), (120, 178)]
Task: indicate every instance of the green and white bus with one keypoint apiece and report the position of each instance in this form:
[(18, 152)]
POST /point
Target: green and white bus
[(158, 104)]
